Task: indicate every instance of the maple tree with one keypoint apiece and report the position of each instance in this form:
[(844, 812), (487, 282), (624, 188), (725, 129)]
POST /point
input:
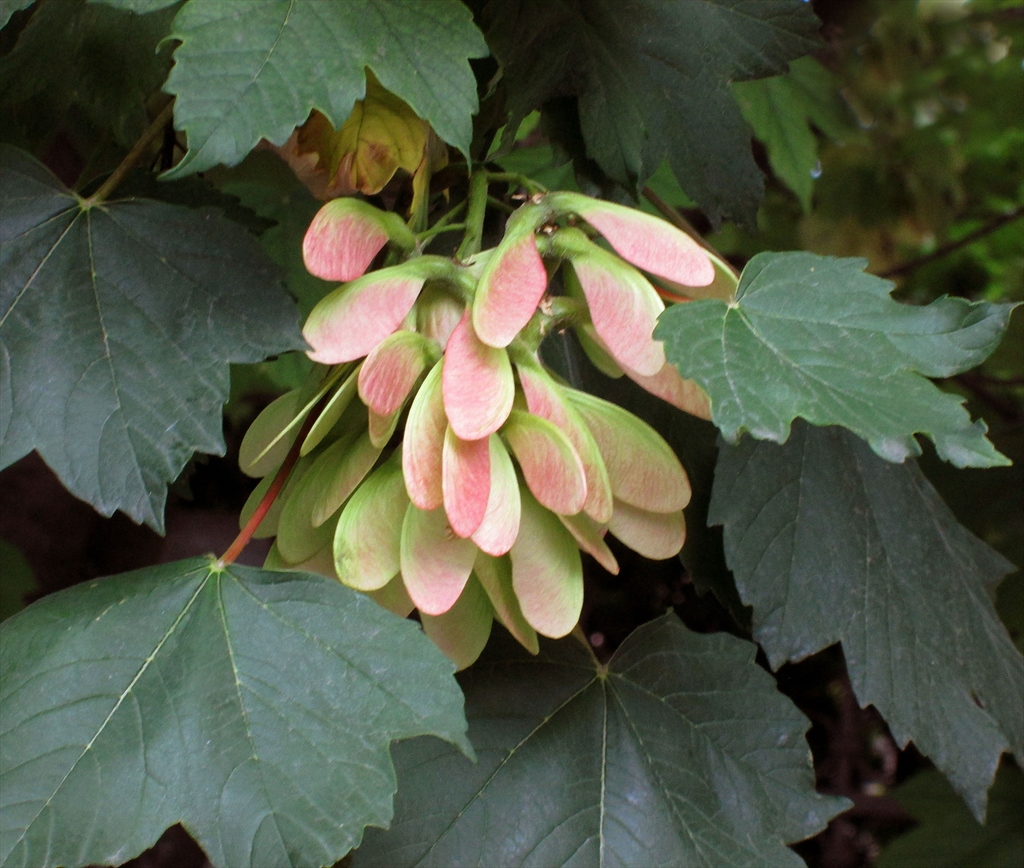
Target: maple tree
[(453, 245)]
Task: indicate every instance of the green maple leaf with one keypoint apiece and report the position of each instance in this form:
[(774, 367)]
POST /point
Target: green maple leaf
[(680, 752), (242, 76), (948, 836), (652, 81), (815, 337), (783, 109), (829, 543), (117, 323), (108, 67), (255, 708)]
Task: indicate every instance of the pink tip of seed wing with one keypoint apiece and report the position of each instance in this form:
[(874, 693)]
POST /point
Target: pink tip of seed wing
[(341, 243), (651, 244), (477, 384), (500, 525), (423, 444), (391, 370), (353, 319), (509, 292), (624, 308), (435, 562), (466, 481)]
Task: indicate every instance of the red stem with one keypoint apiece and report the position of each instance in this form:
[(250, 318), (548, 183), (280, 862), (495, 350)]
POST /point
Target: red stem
[(242, 540)]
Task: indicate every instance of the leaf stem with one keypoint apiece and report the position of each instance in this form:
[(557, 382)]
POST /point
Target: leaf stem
[(953, 246), (528, 184), (154, 130), (475, 213), (283, 472)]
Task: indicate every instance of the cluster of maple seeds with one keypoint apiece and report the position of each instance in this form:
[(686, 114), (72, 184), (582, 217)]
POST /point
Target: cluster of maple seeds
[(502, 474)]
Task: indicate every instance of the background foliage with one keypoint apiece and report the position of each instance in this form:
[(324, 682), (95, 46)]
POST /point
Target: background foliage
[(865, 596)]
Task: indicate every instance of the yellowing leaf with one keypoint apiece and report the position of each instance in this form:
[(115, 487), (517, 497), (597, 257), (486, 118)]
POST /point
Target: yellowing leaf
[(381, 136)]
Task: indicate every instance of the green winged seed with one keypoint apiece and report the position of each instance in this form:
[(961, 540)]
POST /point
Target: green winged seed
[(367, 542), (268, 527), (256, 457), (495, 575), (272, 438), (462, 632), (589, 537), (393, 597), (643, 469), (331, 413), (547, 573), (655, 535), (348, 466)]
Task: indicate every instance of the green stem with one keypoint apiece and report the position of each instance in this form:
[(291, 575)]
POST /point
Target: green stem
[(424, 238), (134, 155), (501, 206), (476, 211), (528, 184)]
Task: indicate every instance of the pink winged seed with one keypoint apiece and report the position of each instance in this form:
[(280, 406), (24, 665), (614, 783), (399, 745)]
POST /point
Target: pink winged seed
[(435, 562), (643, 469), (500, 526), (509, 291), (342, 241), (347, 324), (477, 384), (543, 398), (647, 241), (391, 370), (624, 308), (551, 466), (423, 444), (466, 482)]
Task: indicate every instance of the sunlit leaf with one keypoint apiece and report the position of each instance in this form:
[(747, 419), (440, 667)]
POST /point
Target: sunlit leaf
[(816, 337), (243, 77)]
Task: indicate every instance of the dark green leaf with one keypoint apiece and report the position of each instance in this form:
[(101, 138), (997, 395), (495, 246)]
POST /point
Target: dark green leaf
[(255, 708), (949, 837), (830, 544), (782, 110), (816, 337), (140, 6), (252, 71), (96, 63), (16, 580), (681, 752), (652, 81), (116, 326)]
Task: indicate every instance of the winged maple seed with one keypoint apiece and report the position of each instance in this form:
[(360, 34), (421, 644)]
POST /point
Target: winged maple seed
[(480, 507)]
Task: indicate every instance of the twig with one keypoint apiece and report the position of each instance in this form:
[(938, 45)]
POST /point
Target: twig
[(953, 246), (245, 535), (674, 217), (134, 155)]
